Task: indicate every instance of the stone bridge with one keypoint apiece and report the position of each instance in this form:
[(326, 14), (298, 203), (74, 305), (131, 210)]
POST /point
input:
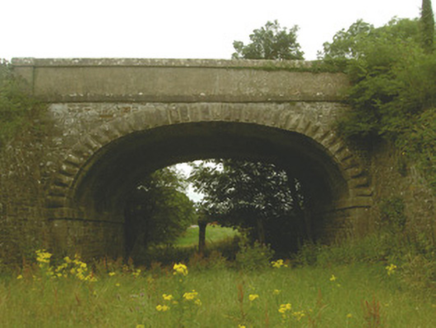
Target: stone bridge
[(109, 122)]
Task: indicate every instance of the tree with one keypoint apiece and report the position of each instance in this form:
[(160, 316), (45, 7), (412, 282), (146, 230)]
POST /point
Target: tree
[(355, 42), (259, 198), (382, 66), (270, 42), (157, 211), (427, 26), (393, 92), (346, 43)]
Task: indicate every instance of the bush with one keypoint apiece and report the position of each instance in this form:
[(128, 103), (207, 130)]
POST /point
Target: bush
[(419, 272), (253, 257), (392, 213)]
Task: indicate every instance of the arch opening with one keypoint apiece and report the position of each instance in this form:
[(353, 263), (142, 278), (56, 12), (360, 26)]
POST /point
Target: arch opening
[(102, 187)]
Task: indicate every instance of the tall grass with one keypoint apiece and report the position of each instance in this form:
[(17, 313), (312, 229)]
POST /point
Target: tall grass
[(355, 295), (414, 256)]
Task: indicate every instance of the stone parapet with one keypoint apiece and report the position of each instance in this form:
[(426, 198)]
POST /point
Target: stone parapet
[(177, 80)]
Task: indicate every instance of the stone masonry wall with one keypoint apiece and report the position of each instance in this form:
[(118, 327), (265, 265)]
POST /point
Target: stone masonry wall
[(23, 174), (394, 178)]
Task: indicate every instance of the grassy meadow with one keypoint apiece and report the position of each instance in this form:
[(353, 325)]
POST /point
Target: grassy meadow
[(214, 234), (211, 292)]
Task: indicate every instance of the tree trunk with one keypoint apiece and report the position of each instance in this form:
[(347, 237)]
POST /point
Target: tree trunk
[(303, 213), (202, 224), (260, 231)]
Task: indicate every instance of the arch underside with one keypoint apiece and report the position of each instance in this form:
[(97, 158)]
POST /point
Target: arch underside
[(106, 164)]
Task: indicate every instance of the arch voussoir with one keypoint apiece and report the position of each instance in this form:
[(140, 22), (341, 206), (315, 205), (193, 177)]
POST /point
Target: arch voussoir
[(135, 122), (174, 114), (121, 127), (292, 122), (303, 126)]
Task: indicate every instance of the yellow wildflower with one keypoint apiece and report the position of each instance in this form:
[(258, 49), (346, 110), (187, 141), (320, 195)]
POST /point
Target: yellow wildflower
[(180, 269), (298, 315), (42, 256), (333, 278), (190, 296), (20, 277), (167, 297), (253, 297), (111, 274), (140, 326), (197, 302), (349, 315), (285, 307), (391, 269), (241, 326), (276, 292), (278, 264), (162, 308)]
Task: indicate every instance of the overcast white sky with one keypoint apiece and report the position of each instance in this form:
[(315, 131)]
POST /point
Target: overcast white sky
[(175, 29)]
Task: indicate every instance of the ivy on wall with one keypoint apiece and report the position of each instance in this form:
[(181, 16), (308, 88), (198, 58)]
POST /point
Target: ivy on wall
[(17, 109)]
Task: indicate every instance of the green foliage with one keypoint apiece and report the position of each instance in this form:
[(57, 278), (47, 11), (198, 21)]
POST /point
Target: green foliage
[(15, 106), (254, 256), (384, 68), (389, 73), (427, 26), (419, 142), (354, 42), (419, 272), (307, 254), (392, 213), (393, 92), (258, 198), (270, 42), (158, 211), (346, 43)]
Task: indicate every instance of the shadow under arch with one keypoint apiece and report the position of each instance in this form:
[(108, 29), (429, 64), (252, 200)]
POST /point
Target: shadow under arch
[(97, 175)]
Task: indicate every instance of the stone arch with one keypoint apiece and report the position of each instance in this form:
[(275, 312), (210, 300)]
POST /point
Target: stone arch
[(345, 173)]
